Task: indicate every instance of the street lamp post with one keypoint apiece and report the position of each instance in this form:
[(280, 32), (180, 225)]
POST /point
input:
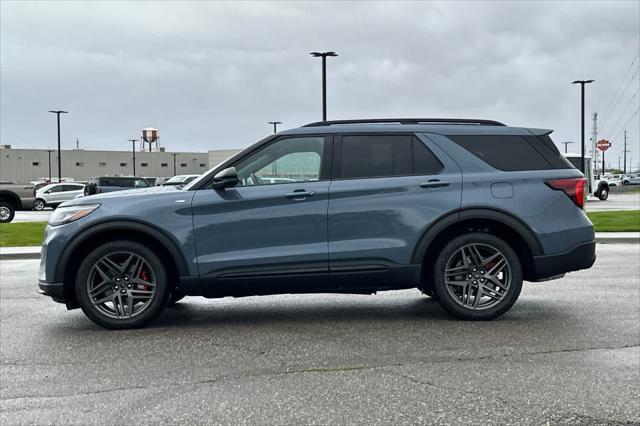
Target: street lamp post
[(59, 153), (324, 55), (49, 151), (174, 164), (565, 145), (133, 142), (582, 83), (275, 125)]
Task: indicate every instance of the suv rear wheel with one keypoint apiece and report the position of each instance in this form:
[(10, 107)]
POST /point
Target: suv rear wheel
[(477, 277), (122, 284)]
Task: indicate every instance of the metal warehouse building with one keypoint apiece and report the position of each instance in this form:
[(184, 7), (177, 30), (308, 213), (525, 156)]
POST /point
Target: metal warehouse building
[(27, 165)]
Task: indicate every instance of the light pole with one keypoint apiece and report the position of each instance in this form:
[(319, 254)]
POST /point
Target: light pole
[(275, 125), (582, 83), (133, 142), (565, 145), (49, 151), (324, 55), (174, 164), (59, 154)]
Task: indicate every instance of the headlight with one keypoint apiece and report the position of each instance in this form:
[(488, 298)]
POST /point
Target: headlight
[(69, 214)]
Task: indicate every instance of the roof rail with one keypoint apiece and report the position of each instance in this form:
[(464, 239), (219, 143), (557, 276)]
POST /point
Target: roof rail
[(408, 121)]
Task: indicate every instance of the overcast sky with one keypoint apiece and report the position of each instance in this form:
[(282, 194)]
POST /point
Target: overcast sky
[(210, 75)]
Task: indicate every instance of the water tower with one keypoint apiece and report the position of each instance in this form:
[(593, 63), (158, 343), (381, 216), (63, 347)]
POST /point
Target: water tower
[(150, 136)]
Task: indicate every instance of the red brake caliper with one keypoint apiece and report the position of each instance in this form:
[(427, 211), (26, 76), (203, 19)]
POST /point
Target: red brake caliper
[(145, 276)]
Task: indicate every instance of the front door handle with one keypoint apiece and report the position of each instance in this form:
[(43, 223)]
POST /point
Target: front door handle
[(434, 183), (300, 194)]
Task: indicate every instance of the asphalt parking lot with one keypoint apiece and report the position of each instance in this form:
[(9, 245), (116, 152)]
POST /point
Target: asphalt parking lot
[(568, 352)]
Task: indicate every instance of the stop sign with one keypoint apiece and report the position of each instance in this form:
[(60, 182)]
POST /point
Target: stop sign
[(603, 145)]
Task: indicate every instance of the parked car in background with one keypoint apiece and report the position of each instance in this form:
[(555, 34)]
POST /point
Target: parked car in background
[(99, 185), (151, 180), (54, 194), (598, 187), (179, 180), (159, 181), (614, 180), (14, 197), (463, 210), (631, 179)]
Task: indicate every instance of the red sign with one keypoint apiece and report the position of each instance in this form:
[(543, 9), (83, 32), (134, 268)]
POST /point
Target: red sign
[(603, 145)]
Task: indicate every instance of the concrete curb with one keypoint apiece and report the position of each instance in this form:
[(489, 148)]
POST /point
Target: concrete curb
[(30, 253), (617, 240)]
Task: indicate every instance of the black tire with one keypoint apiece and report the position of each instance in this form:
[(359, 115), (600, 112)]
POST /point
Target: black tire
[(444, 293), (89, 189), (39, 204), (7, 212), (156, 303), (175, 297), (603, 194), (427, 289)]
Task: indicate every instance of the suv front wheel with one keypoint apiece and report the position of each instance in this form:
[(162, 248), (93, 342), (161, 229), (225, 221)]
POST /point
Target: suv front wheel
[(477, 277), (122, 284)]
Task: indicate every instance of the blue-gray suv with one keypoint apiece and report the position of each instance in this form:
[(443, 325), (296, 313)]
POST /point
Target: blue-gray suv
[(464, 210)]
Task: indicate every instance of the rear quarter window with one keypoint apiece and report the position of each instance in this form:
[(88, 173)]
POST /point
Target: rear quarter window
[(513, 152)]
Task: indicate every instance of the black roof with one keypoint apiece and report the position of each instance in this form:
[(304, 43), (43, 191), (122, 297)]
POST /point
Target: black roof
[(431, 121)]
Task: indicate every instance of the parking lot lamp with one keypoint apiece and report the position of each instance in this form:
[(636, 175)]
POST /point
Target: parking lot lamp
[(582, 83), (133, 142), (59, 153), (324, 55), (275, 125)]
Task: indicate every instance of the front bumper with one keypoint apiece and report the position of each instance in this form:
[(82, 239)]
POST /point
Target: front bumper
[(53, 290), (581, 256)]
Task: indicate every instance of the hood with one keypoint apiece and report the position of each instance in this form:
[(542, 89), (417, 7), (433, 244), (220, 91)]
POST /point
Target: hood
[(139, 192)]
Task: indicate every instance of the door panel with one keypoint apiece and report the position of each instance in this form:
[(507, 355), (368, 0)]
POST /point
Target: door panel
[(375, 223), (245, 233), (267, 234)]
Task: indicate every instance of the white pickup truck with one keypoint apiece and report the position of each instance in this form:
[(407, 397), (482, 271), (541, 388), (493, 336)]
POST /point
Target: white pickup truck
[(597, 187)]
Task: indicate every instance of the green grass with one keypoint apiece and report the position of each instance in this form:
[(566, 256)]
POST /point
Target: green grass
[(21, 234), (30, 233), (616, 221)]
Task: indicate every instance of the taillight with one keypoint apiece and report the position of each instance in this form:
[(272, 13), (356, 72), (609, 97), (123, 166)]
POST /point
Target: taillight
[(575, 188)]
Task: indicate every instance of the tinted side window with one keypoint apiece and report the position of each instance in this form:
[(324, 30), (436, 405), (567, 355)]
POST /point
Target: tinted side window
[(424, 162), (369, 156), (504, 152), (375, 156)]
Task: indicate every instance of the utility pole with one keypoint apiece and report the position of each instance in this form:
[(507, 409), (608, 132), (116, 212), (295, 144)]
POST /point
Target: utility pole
[(582, 83), (565, 145), (275, 125), (133, 142), (625, 153), (59, 153), (619, 162), (594, 151), (77, 144)]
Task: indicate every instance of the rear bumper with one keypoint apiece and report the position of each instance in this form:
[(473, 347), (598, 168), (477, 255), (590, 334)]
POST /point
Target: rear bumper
[(579, 257), (53, 290)]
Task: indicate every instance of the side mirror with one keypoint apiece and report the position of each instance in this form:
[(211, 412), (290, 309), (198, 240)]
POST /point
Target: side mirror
[(225, 178)]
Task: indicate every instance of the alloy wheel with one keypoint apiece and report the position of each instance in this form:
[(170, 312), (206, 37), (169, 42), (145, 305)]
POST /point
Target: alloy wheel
[(121, 285), (5, 213), (477, 276), (38, 205)]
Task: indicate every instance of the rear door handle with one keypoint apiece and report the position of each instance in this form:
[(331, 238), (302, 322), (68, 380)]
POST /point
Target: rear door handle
[(434, 183), (300, 194)]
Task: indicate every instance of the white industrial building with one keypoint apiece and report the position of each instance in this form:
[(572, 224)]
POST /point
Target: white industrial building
[(28, 165)]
